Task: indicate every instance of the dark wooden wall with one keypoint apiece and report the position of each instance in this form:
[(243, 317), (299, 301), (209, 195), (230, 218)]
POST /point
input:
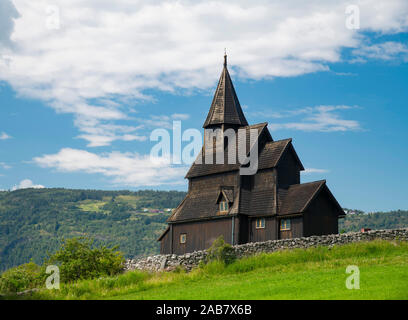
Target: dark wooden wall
[(214, 181), (296, 228), (288, 170), (200, 234), (243, 229), (321, 216), (263, 179), (267, 233), (165, 243)]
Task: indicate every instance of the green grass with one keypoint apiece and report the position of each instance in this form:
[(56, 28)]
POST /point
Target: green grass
[(316, 273), (130, 200), (92, 205)]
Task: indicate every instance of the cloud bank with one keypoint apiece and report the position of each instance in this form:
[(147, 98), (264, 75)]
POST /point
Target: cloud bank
[(318, 118), (94, 59), (125, 169), (8, 13)]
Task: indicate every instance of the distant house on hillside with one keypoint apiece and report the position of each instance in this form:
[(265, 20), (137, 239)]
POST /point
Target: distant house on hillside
[(271, 204)]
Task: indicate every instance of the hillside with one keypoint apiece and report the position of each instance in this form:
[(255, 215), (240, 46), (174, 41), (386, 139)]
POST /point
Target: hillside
[(376, 220), (32, 221), (314, 273)]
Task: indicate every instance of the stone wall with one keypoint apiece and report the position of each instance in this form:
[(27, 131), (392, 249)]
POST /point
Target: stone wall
[(190, 260)]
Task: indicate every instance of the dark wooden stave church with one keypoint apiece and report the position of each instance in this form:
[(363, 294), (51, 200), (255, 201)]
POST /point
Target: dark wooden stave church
[(271, 204)]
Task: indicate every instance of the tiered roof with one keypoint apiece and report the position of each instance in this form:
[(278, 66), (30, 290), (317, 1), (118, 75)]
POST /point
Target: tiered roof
[(202, 204), (225, 107)]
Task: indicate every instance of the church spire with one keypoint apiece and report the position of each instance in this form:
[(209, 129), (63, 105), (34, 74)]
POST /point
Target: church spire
[(225, 107)]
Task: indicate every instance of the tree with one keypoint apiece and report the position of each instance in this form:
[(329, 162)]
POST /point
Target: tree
[(78, 258)]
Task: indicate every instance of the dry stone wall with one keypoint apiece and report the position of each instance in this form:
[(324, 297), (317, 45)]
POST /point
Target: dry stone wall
[(188, 261)]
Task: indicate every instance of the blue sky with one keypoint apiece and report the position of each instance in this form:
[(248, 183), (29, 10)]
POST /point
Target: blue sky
[(76, 112)]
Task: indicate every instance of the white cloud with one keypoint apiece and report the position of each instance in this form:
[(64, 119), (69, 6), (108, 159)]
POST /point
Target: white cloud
[(345, 74), (99, 134), (389, 50), (107, 53), (7, 13), (308, 171), (319, 118), (4, 166), (126, 169), (4, 136), (25, 184)]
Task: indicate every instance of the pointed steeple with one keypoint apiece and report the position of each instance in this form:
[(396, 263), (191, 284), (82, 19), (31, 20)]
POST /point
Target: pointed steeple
[(225, 107)]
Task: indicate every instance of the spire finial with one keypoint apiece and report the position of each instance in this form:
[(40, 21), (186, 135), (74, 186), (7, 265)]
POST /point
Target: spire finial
[(225, 57)]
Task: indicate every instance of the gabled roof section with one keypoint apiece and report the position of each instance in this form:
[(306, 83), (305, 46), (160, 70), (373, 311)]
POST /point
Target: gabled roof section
[(197, 170), (289, 148), (225, 107), (203, 205), (272, 152), (227, 193), (297, 198)]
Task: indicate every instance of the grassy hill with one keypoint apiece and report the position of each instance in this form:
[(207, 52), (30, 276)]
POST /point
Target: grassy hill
[(315, 273), (33, 221)]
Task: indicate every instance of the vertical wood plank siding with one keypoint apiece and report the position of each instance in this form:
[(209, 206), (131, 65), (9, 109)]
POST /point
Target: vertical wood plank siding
[(213, 181), (321, 217), (296, 228), (165, 245), (288, 170), (264, 234), (200, 234)]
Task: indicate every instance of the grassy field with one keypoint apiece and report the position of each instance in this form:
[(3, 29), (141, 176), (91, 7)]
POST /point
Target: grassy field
[(92, 205), (316, 273)]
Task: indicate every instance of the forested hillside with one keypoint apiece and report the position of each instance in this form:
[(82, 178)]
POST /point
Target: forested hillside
[(33, 221), (376, 220)]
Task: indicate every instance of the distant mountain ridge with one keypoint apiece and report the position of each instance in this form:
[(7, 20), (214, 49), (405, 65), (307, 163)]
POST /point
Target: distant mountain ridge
[(33, 221)]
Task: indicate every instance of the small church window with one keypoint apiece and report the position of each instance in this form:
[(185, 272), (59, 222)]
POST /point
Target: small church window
[(260, 223), (223, 206), (183, 238), (285, 224)]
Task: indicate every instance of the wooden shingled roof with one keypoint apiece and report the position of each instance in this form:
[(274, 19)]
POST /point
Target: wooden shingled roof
[(272, 151), (298, 197), (225, 107), (228, 194), (203, 169), (255, 202), (201, 205), (292, 201), (269, 155)]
